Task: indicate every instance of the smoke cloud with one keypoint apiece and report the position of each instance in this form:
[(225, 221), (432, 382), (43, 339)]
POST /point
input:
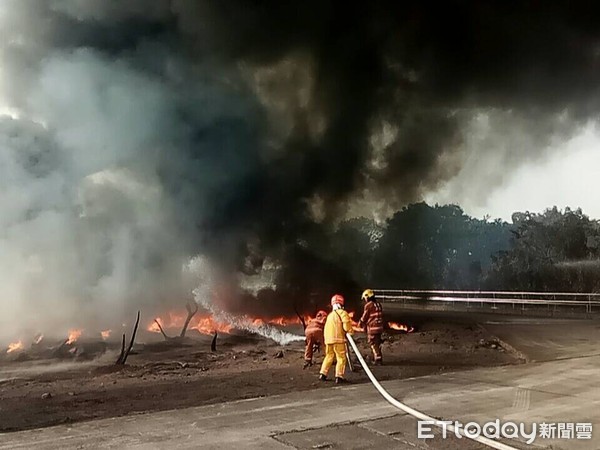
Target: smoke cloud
[(141, 134)]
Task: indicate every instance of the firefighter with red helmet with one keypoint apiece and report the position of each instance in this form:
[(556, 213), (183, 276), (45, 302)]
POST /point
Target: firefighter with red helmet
[(314, 336), (338, 323), (372, 318)]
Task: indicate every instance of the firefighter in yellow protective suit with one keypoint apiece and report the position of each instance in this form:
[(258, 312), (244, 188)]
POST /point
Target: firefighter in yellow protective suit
[(338, 323)]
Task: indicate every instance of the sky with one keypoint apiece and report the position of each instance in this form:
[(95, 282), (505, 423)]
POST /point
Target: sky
[(568, 177)]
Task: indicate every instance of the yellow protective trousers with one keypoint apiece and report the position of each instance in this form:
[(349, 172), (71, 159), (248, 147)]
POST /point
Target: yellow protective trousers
[(337, 352)]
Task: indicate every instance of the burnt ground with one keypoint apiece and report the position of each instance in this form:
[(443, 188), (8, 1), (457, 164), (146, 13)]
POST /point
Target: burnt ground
[(164, 375)]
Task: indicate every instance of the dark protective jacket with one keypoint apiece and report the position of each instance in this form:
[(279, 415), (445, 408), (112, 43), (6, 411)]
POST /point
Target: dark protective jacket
[(372, 317), (315, 327)]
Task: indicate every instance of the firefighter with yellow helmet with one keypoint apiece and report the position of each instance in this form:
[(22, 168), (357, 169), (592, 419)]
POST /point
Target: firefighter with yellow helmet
[(372, 319)]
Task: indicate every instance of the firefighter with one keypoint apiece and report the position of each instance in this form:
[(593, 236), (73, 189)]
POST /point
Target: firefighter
[(314, 336), (338, 323), (372, 318)]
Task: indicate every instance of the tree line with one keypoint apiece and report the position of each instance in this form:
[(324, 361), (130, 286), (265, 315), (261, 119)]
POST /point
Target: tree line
[(441, 247)]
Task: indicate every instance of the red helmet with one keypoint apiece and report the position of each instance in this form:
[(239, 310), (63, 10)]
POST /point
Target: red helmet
[(337, 299)]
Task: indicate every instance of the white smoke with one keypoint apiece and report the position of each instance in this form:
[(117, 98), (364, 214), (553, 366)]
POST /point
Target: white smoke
[(265, 330), (247, 324), (95, 204), (204, 295), (81, 225)]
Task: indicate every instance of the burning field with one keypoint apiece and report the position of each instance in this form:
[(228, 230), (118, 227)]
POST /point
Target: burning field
[(174, 327), (182, 360)]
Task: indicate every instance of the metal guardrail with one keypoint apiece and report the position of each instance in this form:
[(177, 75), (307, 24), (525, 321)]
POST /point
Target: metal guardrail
[(492, 299)]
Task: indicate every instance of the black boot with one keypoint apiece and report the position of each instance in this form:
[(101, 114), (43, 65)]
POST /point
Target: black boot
[(307, 364), (340, 380), (322, 377)]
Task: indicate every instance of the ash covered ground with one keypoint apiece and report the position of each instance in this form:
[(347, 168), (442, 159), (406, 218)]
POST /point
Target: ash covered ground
[(163, 375)]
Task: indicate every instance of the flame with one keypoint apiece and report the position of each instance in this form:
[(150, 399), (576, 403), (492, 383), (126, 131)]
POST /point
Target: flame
[(355, 326), (208, 324), (205, 324), (105, 334), (281, 321), (400, 327), (14, 346), (73, 336)]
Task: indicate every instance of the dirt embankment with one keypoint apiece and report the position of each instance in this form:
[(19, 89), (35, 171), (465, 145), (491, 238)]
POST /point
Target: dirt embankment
[(162, 376)]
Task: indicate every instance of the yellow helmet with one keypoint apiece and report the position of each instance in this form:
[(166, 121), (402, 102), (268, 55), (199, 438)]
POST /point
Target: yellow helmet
[(368, 294)]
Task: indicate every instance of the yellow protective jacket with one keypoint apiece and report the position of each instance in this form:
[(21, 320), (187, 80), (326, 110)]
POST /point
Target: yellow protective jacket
[(337, 325)]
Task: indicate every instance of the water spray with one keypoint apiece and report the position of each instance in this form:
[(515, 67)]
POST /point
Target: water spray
[(245, 323)]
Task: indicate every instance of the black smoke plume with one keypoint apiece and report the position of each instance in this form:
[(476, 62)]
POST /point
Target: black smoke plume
[(142, 133)]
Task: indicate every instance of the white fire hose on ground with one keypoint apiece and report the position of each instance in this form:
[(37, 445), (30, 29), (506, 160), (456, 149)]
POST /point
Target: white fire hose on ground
[(419, 415)]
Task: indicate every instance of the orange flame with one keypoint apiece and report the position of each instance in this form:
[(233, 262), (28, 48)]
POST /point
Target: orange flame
[(208, 324), (105, 334), (280, 320), (400, 327), (204, 324), (73, 336), (355, 326), (14, 346), (284, 321)]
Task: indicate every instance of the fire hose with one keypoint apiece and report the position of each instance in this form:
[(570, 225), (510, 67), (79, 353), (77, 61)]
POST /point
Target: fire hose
[(419, 415)]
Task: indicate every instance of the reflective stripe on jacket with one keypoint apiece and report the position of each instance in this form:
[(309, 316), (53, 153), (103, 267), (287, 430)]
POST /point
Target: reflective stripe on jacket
[(373, 317), (337, 325)]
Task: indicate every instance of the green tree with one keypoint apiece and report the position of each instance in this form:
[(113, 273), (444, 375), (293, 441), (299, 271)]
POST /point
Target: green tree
[(353, 245), (554, 250), (437, 247)]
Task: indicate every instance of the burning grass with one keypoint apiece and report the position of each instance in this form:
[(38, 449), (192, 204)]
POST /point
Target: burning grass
[(280, 329), (15, 346), (73, 336), (400, 327), (204, 324)]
